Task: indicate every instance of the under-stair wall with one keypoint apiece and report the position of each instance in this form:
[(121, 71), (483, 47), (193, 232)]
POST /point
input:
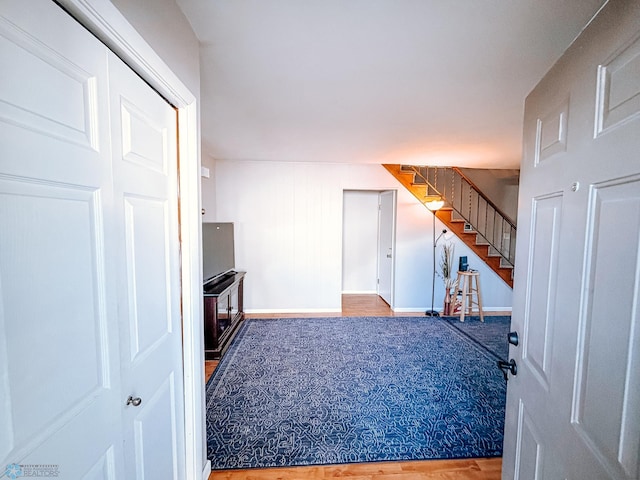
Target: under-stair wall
[(467, 212)]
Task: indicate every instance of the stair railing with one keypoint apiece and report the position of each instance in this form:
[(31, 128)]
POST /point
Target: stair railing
[(472, 206)]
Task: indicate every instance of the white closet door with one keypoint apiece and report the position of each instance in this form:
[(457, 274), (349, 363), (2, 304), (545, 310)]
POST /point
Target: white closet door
[(89, 267), (60, 391), (144, 135)]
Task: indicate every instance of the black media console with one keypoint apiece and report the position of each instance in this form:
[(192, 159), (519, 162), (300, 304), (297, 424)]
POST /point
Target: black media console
[(223, 313)]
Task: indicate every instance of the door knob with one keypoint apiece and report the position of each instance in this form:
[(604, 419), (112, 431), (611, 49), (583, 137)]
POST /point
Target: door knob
[(512, 337), (506, 367), (134, 401)]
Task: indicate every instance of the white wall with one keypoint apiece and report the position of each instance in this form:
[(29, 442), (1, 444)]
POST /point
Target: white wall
[(165, 28), (289, 231), (208, 189), (500, 186), (360, 242)]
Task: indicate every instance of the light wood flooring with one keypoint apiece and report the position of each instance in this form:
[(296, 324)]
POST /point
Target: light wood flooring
[(471, 469), (467, 469)]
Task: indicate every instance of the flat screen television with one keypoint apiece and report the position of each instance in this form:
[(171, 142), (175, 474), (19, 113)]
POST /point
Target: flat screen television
[(218, 256)]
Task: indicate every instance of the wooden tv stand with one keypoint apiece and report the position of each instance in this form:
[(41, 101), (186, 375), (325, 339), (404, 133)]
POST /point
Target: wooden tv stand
[(223, 313)]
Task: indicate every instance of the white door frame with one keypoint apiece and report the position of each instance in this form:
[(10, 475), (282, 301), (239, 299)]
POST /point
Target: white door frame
[(106, 22)]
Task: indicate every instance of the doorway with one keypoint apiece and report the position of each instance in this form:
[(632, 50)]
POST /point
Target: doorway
[(368, 243)]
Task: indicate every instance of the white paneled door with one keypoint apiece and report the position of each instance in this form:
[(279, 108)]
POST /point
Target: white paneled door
[(144, 139), (573, 409), (386, 244), (89, 300)]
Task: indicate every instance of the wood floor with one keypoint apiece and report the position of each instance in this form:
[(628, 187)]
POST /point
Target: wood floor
[(472, 469), (468, 469)]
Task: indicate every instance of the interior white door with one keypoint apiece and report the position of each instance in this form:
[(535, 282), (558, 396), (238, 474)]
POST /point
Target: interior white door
[(144, 132), (60, 396), (573, 410), (386, 244)]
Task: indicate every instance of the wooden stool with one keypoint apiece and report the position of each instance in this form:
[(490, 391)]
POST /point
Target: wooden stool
[(469, 289)]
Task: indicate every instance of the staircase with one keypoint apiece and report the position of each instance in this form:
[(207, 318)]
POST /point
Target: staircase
[(467, 212)]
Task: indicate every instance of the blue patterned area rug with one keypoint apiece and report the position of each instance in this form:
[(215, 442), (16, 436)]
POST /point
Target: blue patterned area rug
[(490, 334), (313, 391)]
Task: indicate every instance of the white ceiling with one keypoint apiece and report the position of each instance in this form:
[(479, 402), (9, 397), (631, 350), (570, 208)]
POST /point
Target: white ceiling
[(432, 82)]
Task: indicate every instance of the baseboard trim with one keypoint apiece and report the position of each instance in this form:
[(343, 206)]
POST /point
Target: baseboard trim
[(420, 311), (293, 310), (416, 310), (206, 471)]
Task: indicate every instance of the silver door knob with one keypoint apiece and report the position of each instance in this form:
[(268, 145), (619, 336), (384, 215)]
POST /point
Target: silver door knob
[(134, 401)]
